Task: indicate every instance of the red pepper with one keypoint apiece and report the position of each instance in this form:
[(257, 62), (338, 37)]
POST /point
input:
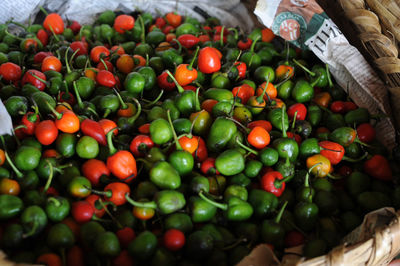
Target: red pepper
[(204, 38), (273, 182), (31, 76), (30, 120), (201, 152), (241, 67), (188, 40), (366, 132), (38, 58), (209, 60), (102, 66), (165, 82), (260, 123), (189, 87), (92, 199), (338, 107), (300, 109), (378, 167), (75, 26), (140, 144), (208, 167), (244, 44), (105, 78), (349, 106), (42, 36), (82, 211), (93, 129), (332, 150), (294, 136), (79, 45), (160, 22)]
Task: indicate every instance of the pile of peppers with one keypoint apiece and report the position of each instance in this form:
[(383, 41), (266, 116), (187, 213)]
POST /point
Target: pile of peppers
[(144, 140)]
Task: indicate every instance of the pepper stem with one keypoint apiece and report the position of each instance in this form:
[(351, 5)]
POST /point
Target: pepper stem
[(284, 134), (197, 101), (66, 60), (111, 147), (123, 104), (236, 33), (15, 169), (260, 99), (78, 97), (178, 145), (345, 158), (107, 193), (33, 229), (132, 119), (142, 34), (253, 44), (307, 179), (33, 117), (238, 123), (221, 40), (216, 204), (280, 213), (56, 202), (109, 213), (328, 75), (43, 10), (57, 114), (151, 103), (150, 204), (179, 45), (18, 24), (180, 89), (46, 187), (12, 35), (104, 64), (294, 120), (194, 58), (312, 74), (245, 147), (38, 78)]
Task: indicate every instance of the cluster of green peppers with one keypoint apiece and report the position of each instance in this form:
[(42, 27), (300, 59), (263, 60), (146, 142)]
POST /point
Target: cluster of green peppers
[(147, 155)]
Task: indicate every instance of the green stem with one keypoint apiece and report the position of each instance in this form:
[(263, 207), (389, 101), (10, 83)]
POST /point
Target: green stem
[(66, 60), (179, 45), (363, 143), (149, 104), (328, 75), (43, 10), (279, 216), (307, 179), (57, 114), (234, 244), (36, 77), (150, 204), (78, 97), (123, 104), (12, 35), (18, 24), (46, 187), (194, 58), (283, 122), (245, 147), (221, 40), (55, 201), (132, 119), (238, 123), (109, 213), (33, 229), (312, 74), (294, 120), (180, 89), (73, 56), (345, 158), (15, 169), (107, 193), (253, 44), (142, 35), (19, 127), (178, 145), (216, 204), (197, 101), (111, 147), (236, 33), (260, 99), (104, 64)]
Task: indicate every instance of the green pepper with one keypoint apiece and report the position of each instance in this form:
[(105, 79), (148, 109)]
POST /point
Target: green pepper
[(201, 210), (275, 116), (160, 131), (9, 90), (250, 58), (264, 73), (66, 144), (87, 147), (27, 158), (10, 206), (220, 95), (326, 201), (230, 162), (343, 135), (272, 231), (134, 83), (199, 245), (286, 168), (34, 220), (34, 197), (179, 221), (252, 168), (320, 77), (309, 147), (221, 131), (16, 105), (57, 208), (109, 104), (169, 104), (41, 98), (240, 180), (357, 116), (143, 246), (166, 202), (165, 176), (106, 17), (107, 244), (306, 214), (220, 81), (85, 87), (89, 231), (373, 200), (236, 191), (333, 121), (12, 236), (263, 202), (285, 89), (235, 209), (222, 109), (60, 236), (302, 92)]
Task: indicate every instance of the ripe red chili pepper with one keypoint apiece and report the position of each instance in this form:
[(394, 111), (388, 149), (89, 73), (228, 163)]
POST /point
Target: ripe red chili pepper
[(209, 60), (93, 129), (217, 38), (189, 87), (332, 150), (241, 67), (79, 45), (93, 170), (244, 92), (273, 182), (244, 44), (122, 165), (82, 211), (46, 132), (105, 65), (349, 106), (295, 136), (105, 78), (92, 199), (204, 38), (38, 58), (99, 52), (338, 107), (75, 26), (259, 138), (188, 40), (30, 120), (378, 167), (160, 22), (165, 82), (31, 77), (54, 23), (174, 239), (144, 129), (42, 36), (284, 71), (123, 23), (64, 97), (125, 236), (10, 71), (218, 30), (261, 123), (173, 19), (115, 193), (300, 109), (208, 167), (366, 132), (167, 29), (140, 144), (201, 152)]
